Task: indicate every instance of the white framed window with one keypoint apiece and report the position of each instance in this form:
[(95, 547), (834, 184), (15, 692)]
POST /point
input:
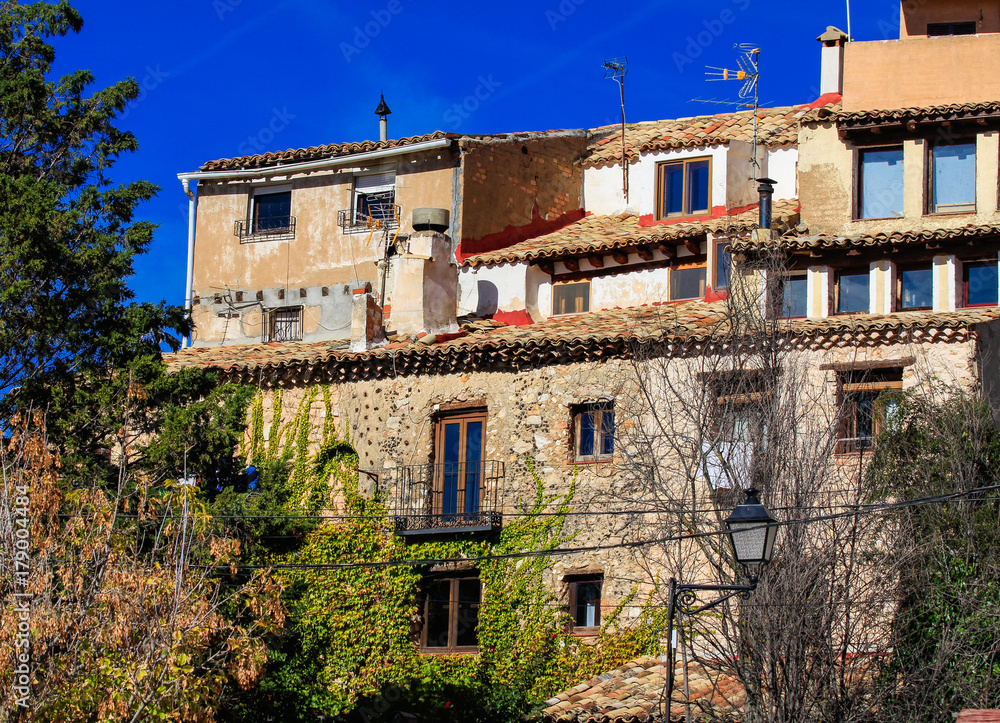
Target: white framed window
[(375, 198), (270, 209)]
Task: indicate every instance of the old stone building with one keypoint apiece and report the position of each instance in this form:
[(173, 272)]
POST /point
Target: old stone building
[(554, 287)]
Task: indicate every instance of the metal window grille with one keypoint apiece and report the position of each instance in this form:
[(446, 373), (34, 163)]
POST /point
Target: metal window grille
[(284, 324)]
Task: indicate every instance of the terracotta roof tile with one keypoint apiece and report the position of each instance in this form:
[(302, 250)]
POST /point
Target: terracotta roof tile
[(315, 153), (604, 234), (684, 328), (777, 127), (972, 715), (638, 690), (808, 242), (957, 111)]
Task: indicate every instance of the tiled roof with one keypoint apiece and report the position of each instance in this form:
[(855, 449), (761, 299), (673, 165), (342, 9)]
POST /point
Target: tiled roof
[(819, 242), (957, 111), (778, 127), (681, 329), (974, 715), (634, 692), (604, 234), (315, 153)]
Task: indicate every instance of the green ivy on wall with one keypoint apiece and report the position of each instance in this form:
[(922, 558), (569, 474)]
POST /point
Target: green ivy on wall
[(348, 649)]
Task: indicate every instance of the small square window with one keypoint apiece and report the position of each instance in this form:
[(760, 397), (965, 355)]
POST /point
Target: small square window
[(980, 283), (880, 183), (687, 282), (867, 405), (683, 188), (571, 298), (270, 212), (915, 288), (952, 178), (794, 296), (852, 292), (374, 199), (284, 324), (451, 614), (594, 432), (585, 602)]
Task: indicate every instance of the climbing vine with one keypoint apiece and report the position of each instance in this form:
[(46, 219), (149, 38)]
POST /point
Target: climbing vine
[(348, 647)]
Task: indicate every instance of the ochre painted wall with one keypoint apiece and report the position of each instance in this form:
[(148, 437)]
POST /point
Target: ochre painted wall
[(921, 72), (916, 15), (516, 188)]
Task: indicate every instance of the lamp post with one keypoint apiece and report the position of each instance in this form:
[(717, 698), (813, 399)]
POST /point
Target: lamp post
[(752, 531)]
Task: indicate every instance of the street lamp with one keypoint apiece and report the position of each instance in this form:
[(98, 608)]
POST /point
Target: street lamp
[(752, 531)]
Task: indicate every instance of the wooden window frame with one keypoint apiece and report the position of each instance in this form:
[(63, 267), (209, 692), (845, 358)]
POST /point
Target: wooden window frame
[(462, 416), (779, 296), (455, 578), (661, 189), (562, 284), (852, 271), (720, 252), (859, 176), (598, 409), (965, 283), (929, 208), (899, 286), (573, 583), (873, 384), (685, 267)]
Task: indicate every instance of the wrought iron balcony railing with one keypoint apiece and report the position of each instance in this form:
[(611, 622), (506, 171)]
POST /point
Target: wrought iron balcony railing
[(451, 497), (265, 229), (379, 216)]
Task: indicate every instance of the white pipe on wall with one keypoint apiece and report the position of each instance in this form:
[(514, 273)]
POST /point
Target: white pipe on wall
[(192, 216)]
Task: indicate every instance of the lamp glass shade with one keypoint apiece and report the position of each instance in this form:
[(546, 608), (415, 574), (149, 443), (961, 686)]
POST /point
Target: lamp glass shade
[(753, 543)]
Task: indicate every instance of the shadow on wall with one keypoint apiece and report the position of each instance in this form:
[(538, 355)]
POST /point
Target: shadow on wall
[(489, 298)]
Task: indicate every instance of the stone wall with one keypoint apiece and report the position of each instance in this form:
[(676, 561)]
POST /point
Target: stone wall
[(391, 421)]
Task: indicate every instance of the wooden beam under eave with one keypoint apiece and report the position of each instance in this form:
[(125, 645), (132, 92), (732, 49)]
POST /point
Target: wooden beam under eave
[(644, 252), (693, 246), (596, 261), (620, 257), (547, 267), (572, 264), (667, 250)]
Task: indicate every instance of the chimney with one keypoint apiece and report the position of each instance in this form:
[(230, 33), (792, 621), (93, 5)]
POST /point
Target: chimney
[(425, 277), (832, 67), (383, 114), (366, 319), (766, 191)]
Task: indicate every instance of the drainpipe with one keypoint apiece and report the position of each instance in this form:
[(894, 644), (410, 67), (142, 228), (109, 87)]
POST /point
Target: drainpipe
[(192, 216)]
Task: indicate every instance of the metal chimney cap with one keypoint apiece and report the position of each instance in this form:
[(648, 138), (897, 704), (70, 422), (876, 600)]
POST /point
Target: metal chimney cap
[(431, 219), (382, 109)]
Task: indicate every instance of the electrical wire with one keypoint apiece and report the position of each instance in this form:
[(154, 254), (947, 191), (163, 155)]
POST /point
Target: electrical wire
[(861, 510)]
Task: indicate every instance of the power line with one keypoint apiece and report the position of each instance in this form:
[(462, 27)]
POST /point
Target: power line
[(860, 510)]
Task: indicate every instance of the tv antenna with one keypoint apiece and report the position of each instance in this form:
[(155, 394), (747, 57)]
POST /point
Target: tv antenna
[(616, 69), (748, 73)]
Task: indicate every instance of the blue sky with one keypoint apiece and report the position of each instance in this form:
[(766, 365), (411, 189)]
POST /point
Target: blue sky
[(223, 78)]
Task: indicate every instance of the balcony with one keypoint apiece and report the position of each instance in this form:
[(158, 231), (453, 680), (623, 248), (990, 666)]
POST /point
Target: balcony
[(265, 229), (436, 499), (379, 216)]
